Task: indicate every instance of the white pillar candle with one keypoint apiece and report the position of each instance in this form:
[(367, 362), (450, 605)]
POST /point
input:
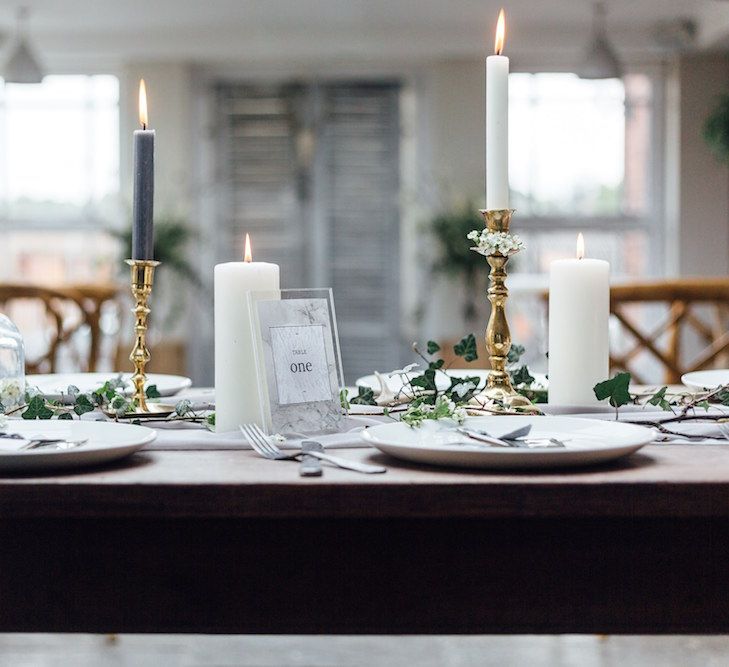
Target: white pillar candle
[(236, 376), (497, 124), (579, 309)]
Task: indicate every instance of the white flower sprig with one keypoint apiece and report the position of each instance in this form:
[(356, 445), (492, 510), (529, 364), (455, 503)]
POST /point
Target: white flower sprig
[(495, 243), (11, 392), (444, 408)]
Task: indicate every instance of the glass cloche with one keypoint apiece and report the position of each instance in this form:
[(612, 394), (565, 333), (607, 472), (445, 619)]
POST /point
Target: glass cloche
[(12, 365)]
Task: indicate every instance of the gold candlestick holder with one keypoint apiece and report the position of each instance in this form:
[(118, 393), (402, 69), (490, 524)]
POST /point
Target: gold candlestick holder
[(142, 280), (498, 336)]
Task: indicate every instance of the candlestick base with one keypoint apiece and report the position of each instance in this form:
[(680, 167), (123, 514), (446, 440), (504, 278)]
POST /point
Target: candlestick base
[(142, 280), (498, 336)]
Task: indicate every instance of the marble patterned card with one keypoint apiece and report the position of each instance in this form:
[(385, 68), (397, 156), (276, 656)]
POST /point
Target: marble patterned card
[(298, 361)]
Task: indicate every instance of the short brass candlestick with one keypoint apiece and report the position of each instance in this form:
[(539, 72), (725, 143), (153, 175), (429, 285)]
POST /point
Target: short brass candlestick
[(142, 279), (498, 336)]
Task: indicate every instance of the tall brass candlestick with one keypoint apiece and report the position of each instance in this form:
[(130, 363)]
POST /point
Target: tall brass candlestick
[(142, 279), (498, 336)]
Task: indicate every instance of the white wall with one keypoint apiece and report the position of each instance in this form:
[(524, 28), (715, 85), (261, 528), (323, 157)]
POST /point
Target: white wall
[(451, 172), (456, 101), (698, 192)]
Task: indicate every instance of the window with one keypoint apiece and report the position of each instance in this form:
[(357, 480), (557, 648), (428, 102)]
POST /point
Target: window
[(581, 159), (59, 173)]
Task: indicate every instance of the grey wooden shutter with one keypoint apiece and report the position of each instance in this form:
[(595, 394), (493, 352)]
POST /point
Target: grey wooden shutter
[(258, 157), (344, 200), (361, 143)]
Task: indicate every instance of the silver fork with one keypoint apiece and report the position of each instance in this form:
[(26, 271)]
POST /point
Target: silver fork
[(262, 444)]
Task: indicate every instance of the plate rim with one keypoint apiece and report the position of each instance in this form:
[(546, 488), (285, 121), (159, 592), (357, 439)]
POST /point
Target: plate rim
[(368, 437), (149, 437), (685, 378), (184, 381)]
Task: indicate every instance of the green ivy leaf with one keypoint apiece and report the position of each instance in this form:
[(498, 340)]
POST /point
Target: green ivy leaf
[(37, 409), (365, 396), (522, 376), (615, 389), (83, 404), (65, 416), (515, 353), (659, 399), (723, 397), (460, 392), (436, 365), (119, 402), (467, 348), (152, 391), (433, 347), (425, 381)]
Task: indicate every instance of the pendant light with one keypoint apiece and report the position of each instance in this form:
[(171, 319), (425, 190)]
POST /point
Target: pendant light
[(22, 66), (600, 61)]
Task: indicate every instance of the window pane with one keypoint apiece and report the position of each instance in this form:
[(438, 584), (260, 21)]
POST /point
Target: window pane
[(568, 139), (60, 152), (628, 251)]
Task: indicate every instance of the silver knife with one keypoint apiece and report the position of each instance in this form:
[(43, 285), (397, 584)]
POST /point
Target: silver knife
[(314, 448), (310, 466)]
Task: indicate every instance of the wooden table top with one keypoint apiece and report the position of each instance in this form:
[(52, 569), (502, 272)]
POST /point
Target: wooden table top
[(660, 481)]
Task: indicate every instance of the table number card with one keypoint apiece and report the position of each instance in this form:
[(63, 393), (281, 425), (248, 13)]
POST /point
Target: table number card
[(299, 365)]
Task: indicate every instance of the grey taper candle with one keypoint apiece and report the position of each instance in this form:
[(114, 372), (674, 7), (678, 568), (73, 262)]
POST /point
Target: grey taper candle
[(142, 229)]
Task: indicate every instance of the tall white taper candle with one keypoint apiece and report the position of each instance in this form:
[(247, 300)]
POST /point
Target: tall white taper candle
[(579, 309), (497, 124)]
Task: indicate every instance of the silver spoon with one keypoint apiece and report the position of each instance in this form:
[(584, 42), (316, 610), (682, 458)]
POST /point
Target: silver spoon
[(514, 438), (506, 440), (57, 443)]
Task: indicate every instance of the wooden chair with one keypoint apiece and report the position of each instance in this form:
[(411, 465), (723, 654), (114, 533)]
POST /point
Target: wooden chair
[(54, 318), (680, 325), (691, 333)]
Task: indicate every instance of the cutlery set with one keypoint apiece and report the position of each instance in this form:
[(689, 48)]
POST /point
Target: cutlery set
[(40, 442), (312, 452)]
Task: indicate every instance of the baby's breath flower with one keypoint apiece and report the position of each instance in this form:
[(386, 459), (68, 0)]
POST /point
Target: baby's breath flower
[(495, 243), (11, 392)]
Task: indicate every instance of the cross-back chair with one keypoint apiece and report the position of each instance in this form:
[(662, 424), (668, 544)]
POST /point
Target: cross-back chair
[(686, 328), (56, 319)]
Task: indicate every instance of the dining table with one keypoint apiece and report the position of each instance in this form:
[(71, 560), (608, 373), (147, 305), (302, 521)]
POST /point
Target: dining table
[(223, 541)]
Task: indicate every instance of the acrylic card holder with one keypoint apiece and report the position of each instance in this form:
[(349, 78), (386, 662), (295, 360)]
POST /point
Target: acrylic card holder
[(298, 362)]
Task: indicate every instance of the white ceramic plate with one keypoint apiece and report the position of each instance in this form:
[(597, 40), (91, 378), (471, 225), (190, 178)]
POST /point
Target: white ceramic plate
[(53, 384), (706, 379), (108, 441), (395, 382), (587, 442)]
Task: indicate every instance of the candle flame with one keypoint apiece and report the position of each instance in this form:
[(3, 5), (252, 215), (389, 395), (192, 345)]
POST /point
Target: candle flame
[(580, 246), (248, 257), (500, 34), (142, 104)]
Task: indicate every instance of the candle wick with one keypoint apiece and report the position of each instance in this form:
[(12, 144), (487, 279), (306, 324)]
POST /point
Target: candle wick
[(144, 126)]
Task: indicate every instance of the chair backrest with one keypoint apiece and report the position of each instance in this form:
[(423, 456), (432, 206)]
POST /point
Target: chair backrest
[(680, 324), (56, 319)]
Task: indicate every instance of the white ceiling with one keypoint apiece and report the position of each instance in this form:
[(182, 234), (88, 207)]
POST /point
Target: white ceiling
[(114, 31)]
